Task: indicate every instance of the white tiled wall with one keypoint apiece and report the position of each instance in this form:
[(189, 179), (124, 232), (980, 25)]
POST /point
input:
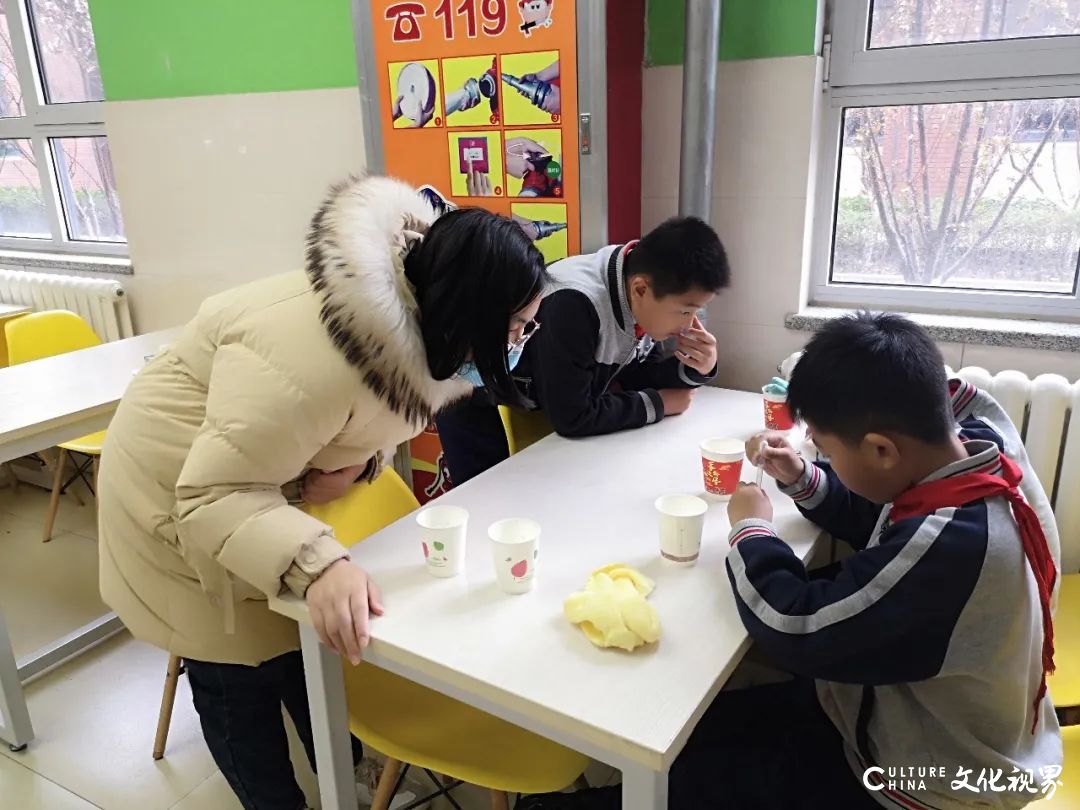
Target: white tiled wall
[(763, 166), (218, 190)]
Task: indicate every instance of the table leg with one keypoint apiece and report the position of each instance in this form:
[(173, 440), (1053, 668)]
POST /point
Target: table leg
[(644, 789), (329, 722), (15, 727)]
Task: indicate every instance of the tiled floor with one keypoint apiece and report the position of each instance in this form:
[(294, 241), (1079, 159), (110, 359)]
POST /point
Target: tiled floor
[(95, 717)]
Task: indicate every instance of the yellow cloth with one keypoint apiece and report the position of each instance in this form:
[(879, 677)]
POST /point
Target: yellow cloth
[(612, 611)]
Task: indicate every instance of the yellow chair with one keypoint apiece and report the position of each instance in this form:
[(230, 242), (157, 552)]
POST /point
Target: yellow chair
[(47, 334), (523, 428), (1064, 684), (416, 726)]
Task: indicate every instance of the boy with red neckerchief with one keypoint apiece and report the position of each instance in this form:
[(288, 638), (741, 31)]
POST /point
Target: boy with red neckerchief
[(930, 646)]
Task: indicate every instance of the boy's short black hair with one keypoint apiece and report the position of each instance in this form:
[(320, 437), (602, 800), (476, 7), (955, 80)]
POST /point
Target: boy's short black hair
[(868, 373), (679, 255)]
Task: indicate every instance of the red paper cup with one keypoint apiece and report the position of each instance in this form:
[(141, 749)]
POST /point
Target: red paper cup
[(777, 415), (721, 463)]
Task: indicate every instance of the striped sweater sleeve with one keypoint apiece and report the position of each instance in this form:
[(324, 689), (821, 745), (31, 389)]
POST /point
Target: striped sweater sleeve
[(885, 617), (827, 503)]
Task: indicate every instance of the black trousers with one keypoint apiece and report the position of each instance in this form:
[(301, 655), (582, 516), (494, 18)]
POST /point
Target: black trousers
[(472, 437), (240, 711), (766, 748), (763, 748)]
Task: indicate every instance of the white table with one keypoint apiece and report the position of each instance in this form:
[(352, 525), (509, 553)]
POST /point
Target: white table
[(42, 404), (516, 656)]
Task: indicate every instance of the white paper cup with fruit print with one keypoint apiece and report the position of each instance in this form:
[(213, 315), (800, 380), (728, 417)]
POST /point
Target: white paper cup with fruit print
[(515, 546), (442, 539)]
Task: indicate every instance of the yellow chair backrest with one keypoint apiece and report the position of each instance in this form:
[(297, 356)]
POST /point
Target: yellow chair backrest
[(367, 508), (47, 334), (523, 428)]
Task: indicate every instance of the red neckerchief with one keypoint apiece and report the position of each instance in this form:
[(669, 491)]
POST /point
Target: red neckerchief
[(959, 490)]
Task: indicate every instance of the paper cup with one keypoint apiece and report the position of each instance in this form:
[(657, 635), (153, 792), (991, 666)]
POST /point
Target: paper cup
[(777, 415), (682, 519), (721, 463), (442, 538), (514, 548)]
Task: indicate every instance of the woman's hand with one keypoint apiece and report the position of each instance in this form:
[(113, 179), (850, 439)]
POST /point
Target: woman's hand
[(341, 601), (321, 487)]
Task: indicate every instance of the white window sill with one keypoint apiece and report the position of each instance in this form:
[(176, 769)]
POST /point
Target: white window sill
[(65, 262), (1052, 336)]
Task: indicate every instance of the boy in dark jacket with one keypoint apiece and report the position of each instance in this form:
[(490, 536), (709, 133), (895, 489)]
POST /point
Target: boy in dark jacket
[(596, 366)]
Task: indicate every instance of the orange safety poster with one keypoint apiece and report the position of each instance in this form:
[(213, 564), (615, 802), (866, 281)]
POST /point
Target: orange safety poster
[(478, 100)]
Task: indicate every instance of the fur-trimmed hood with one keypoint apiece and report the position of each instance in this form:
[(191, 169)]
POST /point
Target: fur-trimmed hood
[(355, 251)]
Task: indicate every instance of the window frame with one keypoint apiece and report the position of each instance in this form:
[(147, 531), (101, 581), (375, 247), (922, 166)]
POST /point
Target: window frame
[(40, 123), (1000, 70)]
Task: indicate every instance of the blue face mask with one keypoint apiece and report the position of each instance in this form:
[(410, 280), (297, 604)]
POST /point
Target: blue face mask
[(469, 373)]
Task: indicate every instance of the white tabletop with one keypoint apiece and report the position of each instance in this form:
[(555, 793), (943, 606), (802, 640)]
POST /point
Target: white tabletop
[(517, 655), (64, 397), (7, 310)]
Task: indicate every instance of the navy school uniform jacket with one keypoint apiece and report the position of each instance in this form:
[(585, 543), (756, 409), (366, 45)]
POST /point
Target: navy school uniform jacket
[(586, 368), (926, 646)]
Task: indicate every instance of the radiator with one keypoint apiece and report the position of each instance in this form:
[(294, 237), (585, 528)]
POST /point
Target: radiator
[(103, 304), (1046, 411)]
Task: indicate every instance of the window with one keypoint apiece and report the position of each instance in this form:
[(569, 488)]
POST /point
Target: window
[(57, 188), (949, 167)]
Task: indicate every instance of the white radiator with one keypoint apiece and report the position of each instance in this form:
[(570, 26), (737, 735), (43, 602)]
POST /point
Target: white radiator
[(1046, 410), (103, 304)]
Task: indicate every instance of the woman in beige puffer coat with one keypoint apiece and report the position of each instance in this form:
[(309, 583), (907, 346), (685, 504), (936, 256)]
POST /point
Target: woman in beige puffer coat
[(294, 386)]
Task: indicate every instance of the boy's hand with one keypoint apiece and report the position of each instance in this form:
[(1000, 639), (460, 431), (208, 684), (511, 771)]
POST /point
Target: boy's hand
[(697, 349), (676, 400), (749, 501), (779, 459)]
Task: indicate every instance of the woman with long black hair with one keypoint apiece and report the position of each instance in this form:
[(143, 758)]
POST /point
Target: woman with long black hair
[(291, 389)]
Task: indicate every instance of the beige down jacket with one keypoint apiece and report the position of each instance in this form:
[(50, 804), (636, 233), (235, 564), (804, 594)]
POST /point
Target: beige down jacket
[(322, 369)]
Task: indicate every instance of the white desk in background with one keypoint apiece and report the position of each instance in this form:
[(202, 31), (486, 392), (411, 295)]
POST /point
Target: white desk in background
[(42, 404), (516, 656)]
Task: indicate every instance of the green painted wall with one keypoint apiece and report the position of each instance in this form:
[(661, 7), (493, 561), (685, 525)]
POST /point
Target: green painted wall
[(749, 29), (172, 48)]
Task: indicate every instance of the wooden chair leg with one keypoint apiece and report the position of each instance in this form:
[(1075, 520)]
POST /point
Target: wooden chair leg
[(54, 500), (499, 800), (168, 698), (384, 792)]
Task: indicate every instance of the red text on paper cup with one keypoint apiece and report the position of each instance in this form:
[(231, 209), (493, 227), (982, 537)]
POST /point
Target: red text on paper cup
[(721, 477), (777, 416)]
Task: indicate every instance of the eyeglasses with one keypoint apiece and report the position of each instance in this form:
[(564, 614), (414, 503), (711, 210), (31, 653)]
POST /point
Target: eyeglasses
[(527, 331)]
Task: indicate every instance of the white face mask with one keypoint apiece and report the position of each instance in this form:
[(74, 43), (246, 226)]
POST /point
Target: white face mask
[(469, 373)]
